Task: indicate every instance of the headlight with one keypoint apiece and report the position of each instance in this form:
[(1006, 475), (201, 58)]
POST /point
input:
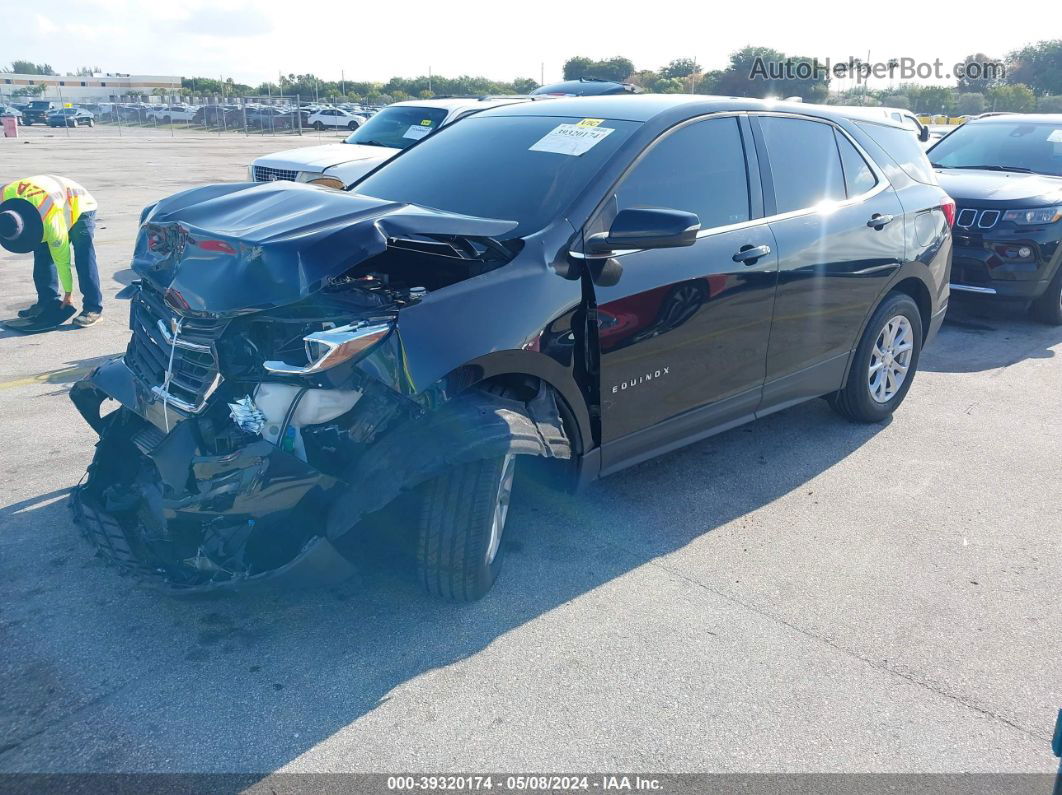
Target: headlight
[(307, 176), (328, 182), (326, 349), (1034, 216)]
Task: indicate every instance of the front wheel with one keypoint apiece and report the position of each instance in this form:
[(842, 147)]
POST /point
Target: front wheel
[(884, 364), (91, 122), (1048, 307), (461, 523)]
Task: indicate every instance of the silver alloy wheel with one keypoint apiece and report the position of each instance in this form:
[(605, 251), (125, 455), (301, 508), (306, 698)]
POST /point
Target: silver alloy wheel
[(501, 506), (890, 359)]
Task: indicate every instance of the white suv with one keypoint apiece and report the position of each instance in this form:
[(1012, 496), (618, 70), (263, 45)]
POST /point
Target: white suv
[(378, 139), (335, 117)]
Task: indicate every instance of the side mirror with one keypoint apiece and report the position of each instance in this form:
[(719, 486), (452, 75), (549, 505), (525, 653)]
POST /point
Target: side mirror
[(646, 228), (923, 133)]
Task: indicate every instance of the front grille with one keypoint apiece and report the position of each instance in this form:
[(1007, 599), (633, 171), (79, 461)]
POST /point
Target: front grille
[(195, 374), (970, 217), (269, 174)]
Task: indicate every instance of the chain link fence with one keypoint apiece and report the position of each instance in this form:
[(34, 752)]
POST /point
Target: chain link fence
[(252, 115)]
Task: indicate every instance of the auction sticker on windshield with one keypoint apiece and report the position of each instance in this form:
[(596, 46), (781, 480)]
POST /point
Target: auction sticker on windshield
[(416, 131), (571, 139), (1055, 137)]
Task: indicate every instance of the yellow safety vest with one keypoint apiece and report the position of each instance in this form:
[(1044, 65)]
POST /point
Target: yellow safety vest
[(60, 202)]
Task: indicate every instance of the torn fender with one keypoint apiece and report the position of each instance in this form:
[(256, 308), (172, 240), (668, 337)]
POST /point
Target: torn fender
[(473, 426)]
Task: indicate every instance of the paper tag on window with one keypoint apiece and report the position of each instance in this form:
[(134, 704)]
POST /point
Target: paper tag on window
[(415, 131), (571, 139), (1055, 137)]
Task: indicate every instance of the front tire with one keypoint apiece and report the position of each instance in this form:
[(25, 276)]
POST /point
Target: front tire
[(884, 364), (1048, 307), (460, 531)]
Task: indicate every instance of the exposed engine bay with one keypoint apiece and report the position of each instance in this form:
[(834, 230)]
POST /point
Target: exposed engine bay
[(249, 437)]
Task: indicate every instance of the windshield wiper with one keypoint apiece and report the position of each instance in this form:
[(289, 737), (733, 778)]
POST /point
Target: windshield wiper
[(374, 143), (1018, 169)]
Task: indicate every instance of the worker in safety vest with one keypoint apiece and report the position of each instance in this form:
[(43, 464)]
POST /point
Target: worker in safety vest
[(49, 216)]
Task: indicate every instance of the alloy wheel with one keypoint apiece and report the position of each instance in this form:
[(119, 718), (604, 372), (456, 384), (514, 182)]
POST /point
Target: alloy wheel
[(891, 359), (501, 506)]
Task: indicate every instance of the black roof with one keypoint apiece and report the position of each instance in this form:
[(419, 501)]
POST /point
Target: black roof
[(587, 86), (643, 107)]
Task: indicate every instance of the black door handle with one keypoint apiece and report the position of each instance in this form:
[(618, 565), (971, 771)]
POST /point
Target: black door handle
[(878, 221), (749, 254)]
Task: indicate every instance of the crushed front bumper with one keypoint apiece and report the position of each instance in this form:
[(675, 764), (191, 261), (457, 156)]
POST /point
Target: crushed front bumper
[(158, 504)]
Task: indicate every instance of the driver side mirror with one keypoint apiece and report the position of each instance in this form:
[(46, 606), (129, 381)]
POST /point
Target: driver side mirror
[(646, 228)]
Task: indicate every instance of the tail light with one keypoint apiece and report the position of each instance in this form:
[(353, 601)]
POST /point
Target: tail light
[(948, 208)]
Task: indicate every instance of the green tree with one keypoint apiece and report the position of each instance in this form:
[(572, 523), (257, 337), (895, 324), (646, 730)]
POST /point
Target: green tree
[(763, 72), (28, 91), (669, 85), (982, 74), (970, 103), (1049, 104), (30, 68), (617, 68), (1038, 66), (681, 67), (1017, 98), (934, 99)]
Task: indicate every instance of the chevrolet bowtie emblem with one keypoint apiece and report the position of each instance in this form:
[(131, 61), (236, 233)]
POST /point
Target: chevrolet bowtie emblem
[(175, 326)]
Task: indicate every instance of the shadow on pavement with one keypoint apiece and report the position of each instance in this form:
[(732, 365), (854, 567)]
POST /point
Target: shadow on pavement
[(980, 335), (122, 678)]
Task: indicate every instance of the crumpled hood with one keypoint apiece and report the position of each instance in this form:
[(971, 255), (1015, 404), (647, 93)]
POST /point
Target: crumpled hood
[(243, 247), (318, 158), (1002, 186)]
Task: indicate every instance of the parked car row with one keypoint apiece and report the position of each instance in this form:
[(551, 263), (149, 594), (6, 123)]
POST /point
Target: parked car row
[(558, 288)]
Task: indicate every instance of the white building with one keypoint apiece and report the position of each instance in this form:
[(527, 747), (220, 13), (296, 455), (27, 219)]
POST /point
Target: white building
[(95, 88)]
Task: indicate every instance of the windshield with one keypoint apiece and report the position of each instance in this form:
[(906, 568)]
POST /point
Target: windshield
[(516, 168), (1010, 145), (398, 127)]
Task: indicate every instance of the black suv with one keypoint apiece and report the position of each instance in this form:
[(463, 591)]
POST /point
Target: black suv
[(580, 284), (586, 87), (38, 110), (1005, 174)]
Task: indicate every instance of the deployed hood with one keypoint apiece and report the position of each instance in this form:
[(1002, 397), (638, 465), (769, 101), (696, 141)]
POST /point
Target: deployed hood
[(318, 158), (1000, 186), (236, 248)]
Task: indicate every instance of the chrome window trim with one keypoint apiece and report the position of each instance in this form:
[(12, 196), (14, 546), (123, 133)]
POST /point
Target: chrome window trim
[(882, 181)]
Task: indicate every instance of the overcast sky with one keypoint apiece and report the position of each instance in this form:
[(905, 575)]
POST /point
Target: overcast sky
[(373, 40)]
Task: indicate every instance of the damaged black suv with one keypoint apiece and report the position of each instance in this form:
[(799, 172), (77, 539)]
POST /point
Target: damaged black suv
[(580, 285)]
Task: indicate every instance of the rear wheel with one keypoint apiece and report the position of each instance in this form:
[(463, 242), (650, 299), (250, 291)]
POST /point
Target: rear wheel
[(884, 364), (462, 516), (1048, 307), (74, 122), (352, 125), (317, 125)]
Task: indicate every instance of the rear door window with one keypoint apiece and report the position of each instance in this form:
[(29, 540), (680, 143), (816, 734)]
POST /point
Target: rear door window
[(858, 176), (805, 165), (700, 168), (903, 147)]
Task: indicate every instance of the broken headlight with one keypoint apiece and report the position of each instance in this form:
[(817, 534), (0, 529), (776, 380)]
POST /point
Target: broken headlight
[(331, 347)]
